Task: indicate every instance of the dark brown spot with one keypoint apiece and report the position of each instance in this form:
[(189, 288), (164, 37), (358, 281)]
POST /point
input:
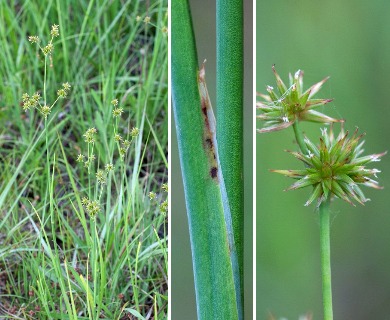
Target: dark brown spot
[(213, 172), (209, 143)]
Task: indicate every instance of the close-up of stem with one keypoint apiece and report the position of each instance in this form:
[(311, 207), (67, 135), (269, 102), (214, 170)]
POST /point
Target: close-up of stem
[(230, 74), (212, 230), (325, 260)]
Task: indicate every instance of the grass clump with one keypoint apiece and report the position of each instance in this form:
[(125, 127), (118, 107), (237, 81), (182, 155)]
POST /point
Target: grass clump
[(80, 238)]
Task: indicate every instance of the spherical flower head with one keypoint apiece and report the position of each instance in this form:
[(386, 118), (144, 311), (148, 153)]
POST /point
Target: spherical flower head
[(335, 168), (89, 135), (48, 49), (147, 19), (280, 111), (164, 206), (66, 86), (152, 195), (138, 19), (109, 167), (114, 102), (117, 112), (80, 158), (33, 39), (45, 110), (101, 177), (117, 137), (54, 31), (134, 132), (62, 93), (164, 187), (126, 144)]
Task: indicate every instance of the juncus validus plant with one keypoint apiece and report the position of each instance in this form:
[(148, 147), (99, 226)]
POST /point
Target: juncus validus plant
[(335, 168)]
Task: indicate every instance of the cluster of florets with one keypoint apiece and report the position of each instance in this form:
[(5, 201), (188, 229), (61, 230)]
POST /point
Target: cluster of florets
[(63, 92), (153, 197), (48, 49), (123, 144), (89, 135), (91, 206), (30, 102), (334, 168), (292, 104)]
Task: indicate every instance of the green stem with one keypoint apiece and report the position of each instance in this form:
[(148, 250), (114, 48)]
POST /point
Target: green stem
[(300, 138), (325, 260), (213, 273), (44, 81), (230, 71)]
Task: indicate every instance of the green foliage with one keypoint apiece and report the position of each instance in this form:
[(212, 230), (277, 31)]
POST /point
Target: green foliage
[(80, 239)]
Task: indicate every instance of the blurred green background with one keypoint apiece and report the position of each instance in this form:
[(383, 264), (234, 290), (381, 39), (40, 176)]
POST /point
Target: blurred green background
[(350, 41), (182, 287)]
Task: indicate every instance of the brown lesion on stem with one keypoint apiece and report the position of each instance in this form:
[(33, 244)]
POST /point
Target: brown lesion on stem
[(209, 124)]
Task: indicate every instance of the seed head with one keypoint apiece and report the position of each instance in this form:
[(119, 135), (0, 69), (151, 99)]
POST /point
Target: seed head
[(138, 18), (164, 206), (126, 144), (152, 195), (164, 187), (45, 110), (91, 206), (147, 19), (118, 137), (114, 102), (54, 31), (33, 39), (335, 168), (80, 158), (134, 132), (89, 135), (292, 104), (61, 93), (117, 112), (66, 86), (48, 49), (101, 176), (109, 167)]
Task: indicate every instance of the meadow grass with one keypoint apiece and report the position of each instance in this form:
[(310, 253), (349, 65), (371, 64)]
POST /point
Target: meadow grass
[(57, 259)]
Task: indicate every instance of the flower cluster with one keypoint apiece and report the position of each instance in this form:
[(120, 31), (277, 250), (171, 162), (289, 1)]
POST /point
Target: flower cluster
[(48, 49), (30, 102), (91, 206), (63, 92), (292, 104), (89, 135), (335, 168)]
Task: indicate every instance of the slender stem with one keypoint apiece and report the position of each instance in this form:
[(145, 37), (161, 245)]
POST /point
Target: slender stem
[(44, 81), (299, 137), (325, 260), (230, 73)]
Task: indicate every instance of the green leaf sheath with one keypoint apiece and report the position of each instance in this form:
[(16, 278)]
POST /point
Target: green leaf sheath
[(213, 274), (325, 260), (230, 74)]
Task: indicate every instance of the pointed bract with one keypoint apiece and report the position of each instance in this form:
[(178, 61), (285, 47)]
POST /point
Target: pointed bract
[(334, 168), (292, 104)]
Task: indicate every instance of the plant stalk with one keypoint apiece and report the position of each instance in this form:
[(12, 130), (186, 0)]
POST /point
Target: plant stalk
[(325, 260), (213, 273), (230, 73), (300, 139)]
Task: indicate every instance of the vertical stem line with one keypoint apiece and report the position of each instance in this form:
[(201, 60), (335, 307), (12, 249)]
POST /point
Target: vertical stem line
[(325, 260), (230, 73), (300, 138)]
